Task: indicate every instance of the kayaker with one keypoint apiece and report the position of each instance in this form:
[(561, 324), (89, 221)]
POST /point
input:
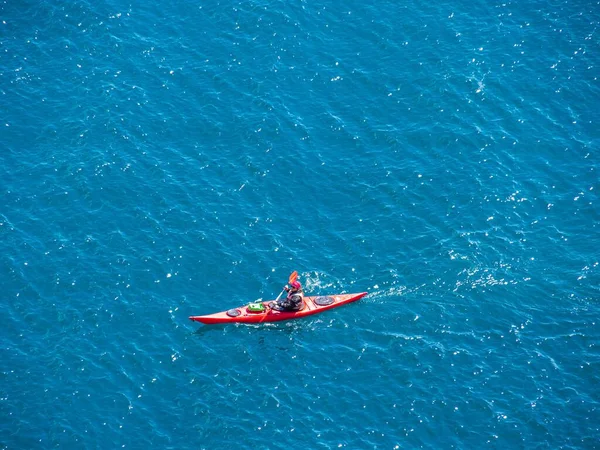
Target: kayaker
[(293, 301)]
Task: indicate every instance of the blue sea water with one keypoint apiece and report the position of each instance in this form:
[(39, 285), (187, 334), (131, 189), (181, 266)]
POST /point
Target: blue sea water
[(166, 159)]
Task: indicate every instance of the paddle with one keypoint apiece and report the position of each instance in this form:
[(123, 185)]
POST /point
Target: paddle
[(293, 277)]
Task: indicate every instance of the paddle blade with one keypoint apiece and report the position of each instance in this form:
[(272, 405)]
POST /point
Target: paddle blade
[(293, 277)]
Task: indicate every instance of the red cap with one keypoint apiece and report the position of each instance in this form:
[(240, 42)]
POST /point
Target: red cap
[(296, 285)]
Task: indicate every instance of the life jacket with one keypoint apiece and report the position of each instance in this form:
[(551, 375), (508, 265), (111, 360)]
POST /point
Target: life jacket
[(295, 298), (297, 293)]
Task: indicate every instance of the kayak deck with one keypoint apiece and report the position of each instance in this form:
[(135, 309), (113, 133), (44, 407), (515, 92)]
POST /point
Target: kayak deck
[(312, 305)]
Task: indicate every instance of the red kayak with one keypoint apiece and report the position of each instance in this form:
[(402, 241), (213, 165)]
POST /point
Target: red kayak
[(262, 312)]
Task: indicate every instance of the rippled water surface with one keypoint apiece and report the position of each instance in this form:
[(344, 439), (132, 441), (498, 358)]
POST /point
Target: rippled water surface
[(162, 160)]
